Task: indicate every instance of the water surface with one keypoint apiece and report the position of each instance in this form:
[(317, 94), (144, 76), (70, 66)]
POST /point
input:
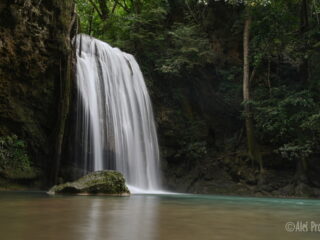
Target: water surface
[(33, 216)]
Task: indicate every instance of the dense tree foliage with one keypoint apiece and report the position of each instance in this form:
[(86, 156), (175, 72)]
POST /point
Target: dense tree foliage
[(192, 49), (14, 160)]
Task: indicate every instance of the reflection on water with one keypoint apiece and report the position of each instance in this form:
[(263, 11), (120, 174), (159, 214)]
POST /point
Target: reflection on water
[(135, 218), (36, 216)]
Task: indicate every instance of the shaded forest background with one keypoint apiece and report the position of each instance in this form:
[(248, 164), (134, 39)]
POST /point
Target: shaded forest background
[(196, 56)]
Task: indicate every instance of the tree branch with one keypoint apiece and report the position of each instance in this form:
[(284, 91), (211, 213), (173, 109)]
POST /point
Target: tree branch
[(96, 8), (124, 6), (114, 7)]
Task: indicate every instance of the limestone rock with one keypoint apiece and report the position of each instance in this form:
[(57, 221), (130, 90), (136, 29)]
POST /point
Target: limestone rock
[(100, 182)]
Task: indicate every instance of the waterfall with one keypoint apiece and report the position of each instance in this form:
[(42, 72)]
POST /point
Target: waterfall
[(115, 127)]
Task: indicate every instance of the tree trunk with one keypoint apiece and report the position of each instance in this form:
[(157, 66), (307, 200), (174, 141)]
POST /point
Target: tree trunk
[(253, 147), (304, 16), (302, 164), (104, 10), (304, 26), (301, 175), (65, 84)]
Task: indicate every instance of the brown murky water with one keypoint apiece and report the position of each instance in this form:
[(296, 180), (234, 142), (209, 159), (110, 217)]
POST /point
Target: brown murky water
[(36, 216)]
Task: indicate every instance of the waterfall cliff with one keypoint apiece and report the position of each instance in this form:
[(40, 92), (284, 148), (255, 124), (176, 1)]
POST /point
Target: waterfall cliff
[(115, 127)]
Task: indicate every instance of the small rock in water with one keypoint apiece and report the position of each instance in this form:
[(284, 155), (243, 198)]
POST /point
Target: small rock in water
[(100, 182)]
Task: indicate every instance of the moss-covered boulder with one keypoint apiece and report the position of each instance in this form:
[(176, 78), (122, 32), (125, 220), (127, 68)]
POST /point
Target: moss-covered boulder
[(100, 182)]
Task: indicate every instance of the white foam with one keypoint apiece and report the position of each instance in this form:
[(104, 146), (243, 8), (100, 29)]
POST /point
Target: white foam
[(136, 190)]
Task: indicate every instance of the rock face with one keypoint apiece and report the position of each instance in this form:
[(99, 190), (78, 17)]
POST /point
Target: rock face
[(33, 50), (101, 182)]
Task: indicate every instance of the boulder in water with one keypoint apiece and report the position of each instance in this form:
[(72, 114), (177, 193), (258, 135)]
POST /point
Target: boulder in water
[(100, 182)]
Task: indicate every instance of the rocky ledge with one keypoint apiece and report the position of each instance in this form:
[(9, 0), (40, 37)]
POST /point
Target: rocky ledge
[(100, 182)]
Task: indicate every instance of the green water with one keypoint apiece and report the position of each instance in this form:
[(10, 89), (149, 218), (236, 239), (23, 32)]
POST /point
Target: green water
[(33, 216)]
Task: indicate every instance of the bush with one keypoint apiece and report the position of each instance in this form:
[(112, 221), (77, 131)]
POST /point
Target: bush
[(14, 160), (289, 121)]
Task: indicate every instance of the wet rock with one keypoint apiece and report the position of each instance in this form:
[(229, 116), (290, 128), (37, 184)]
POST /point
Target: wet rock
[(304, 190), (100, 182), (28, 173), (287, 190), (33, 49)]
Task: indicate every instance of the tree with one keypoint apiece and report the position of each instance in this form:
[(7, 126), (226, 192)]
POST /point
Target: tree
[(253, 146), (174, 42), (286, 35), (96, 15)]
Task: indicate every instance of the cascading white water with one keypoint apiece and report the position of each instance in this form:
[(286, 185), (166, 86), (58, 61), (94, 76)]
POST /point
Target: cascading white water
[(115, 127)]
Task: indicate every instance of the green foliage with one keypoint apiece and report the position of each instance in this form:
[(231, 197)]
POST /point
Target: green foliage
[(190, 50), (14, 160), (13, 153), (134, 32), (250, 3), (289, 121), (192, 144), (171, 49), (274, 33), (230, 88), (286, 109), (174, 41), (296, 151)]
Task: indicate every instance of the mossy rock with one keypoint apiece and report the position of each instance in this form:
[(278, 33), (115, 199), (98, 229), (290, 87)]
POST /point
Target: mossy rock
[(100, 182)]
